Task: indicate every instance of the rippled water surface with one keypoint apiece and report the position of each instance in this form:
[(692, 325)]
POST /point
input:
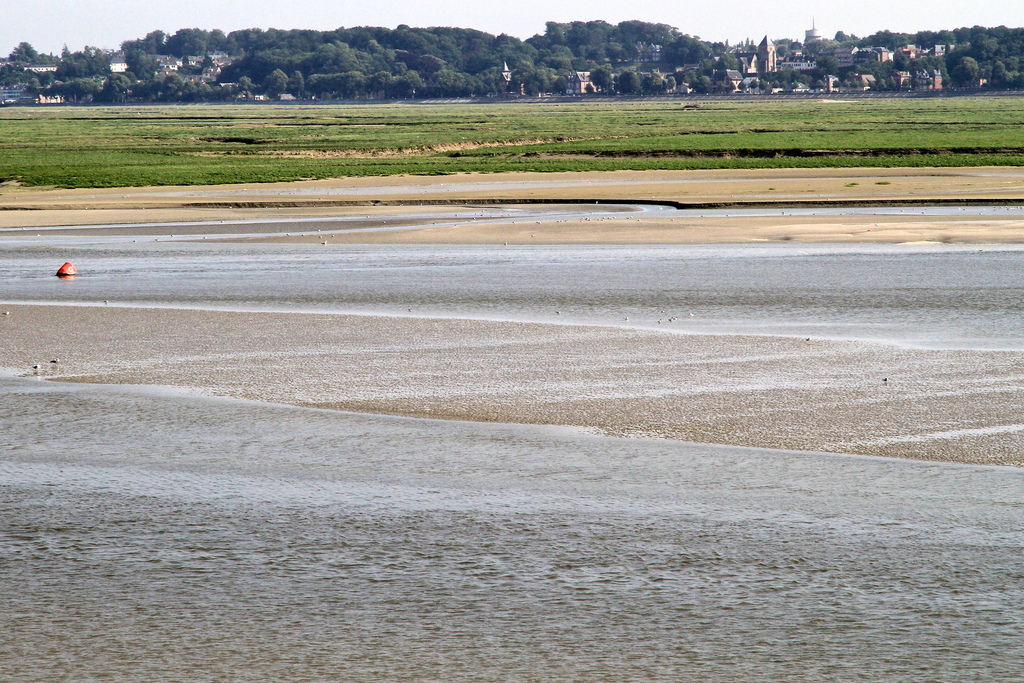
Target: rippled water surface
[(148, 535), (952, 297)]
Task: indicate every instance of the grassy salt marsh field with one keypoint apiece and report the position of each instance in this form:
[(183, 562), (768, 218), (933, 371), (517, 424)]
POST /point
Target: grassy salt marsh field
[(74, 147)]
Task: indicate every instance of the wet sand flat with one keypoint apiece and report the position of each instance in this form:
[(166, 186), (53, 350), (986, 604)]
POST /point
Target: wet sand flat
[(773, 392), (667, 229), (25, 207), (444, 225)]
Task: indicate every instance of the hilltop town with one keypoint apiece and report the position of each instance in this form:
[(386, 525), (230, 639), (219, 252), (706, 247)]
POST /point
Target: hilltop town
[(577, 59), (764, 69)]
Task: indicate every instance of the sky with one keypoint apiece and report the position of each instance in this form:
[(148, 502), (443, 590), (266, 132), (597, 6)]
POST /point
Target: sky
[(49, 25)]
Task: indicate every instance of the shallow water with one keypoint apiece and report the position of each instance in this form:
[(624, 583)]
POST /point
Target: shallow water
[(207, 538), (397, 219), (929, 296)]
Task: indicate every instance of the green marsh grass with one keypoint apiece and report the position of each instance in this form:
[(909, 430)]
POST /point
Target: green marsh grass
[(208, 144)]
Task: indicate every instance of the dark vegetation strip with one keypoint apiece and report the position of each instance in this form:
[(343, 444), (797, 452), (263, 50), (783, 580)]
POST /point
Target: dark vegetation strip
[(679, 205), (740, 153)]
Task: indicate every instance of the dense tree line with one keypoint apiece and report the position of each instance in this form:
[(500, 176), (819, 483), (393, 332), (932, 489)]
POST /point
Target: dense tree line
[(406, 62), (446, 62)]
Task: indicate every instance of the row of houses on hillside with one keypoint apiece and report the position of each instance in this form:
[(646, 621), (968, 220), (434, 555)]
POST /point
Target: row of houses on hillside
[(34, 68), (215, 61), (765, 59), (849, 55), (734, 81)]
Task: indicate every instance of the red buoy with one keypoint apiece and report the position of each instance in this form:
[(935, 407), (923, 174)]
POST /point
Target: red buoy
[(67, 270)]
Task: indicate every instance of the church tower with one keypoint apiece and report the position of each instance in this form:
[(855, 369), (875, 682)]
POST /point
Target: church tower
[(767, 59)]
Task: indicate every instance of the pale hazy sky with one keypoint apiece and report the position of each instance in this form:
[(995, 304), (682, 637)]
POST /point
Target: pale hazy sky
[(51, 24)]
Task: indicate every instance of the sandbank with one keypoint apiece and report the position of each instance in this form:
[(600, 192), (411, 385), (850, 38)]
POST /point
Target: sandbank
[(773, 392), (377, 199)]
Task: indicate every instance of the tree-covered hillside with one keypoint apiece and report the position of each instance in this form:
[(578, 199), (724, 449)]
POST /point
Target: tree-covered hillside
[(629, 58)]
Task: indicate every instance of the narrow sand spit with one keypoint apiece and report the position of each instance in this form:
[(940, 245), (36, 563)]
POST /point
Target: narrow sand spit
[(25, 207), (754, 391)]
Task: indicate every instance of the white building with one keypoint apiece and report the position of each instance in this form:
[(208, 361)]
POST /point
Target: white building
[(118, 65), (168, 63), (797, 66)]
